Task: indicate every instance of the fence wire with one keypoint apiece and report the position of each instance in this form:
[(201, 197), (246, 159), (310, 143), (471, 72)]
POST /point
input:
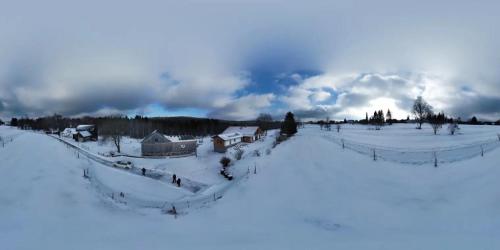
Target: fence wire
[(433, 156)]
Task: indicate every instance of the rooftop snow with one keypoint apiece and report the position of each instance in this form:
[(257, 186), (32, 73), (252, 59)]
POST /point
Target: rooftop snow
[(226, 137), (245, 131), (85, 133)]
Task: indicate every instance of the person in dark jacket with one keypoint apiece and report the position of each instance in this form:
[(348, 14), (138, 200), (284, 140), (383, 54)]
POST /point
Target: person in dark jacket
[(143, 171), (174, 179), (178, 182)]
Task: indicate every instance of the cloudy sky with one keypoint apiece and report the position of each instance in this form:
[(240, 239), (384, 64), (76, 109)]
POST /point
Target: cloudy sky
[(234, 59)]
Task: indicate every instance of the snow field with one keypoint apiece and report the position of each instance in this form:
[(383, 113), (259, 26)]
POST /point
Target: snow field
[(307, 194)]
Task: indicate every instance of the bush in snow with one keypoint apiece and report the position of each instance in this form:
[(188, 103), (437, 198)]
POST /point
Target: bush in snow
[(268, 151), (238, 154), (256, 153), (453, 127), (225, 161)]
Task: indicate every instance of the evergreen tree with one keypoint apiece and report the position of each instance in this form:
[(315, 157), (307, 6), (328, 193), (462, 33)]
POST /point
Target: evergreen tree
[(388, 117), (289, 126), (473, 120), (13, 122)]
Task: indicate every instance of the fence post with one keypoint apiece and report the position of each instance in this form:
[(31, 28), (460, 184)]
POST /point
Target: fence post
[(214, 196), (343, 146), (255, 169), (374, 155), (482, 151), (435, 160)]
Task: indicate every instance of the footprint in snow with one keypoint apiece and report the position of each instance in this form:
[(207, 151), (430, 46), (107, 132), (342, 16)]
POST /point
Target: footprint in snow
[(323, 224)]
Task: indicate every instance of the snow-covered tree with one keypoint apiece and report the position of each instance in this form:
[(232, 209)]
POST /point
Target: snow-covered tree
[(453, 127)]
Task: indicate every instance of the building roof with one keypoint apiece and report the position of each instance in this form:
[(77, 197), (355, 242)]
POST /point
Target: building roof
[(158, 134), (84, 127), (85, 133), (69, 131), (244, 131), (167, 137), (231, 136)]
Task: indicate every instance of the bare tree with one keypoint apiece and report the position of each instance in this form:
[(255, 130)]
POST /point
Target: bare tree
[(436, 121), (421, 109), (238, 154), (328, 125), (114, 130)]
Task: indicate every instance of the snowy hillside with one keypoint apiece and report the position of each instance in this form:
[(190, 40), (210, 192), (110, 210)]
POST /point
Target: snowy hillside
[(308, 193)]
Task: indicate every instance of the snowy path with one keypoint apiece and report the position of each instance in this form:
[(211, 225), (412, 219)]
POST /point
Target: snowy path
[(190, 185), (110, 182)]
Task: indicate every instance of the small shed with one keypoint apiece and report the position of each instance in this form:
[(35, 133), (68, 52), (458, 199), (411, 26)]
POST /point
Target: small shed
[(85, 133), (83, 136)]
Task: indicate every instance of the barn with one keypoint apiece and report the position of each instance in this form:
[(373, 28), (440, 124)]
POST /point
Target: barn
[(157, 144)]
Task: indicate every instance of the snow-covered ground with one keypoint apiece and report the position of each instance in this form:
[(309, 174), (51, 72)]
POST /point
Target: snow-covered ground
[(308, 193), (405, 136), (203, 168)]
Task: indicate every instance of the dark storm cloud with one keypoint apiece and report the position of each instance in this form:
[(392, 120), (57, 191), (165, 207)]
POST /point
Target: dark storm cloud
[(87, 57), (483, 106)]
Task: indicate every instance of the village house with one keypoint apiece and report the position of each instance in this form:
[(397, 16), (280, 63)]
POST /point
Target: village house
[(68, 132), (85, 133), (234, 135), (157, 144)]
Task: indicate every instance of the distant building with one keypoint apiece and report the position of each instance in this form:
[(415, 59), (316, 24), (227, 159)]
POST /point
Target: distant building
[(68, 132), (85, 133), (157, 144), (234, 135), (248, 134)]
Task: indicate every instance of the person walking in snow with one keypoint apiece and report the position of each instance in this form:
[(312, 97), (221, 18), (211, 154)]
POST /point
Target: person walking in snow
[(174, 179), (143, 171), (178, 182)]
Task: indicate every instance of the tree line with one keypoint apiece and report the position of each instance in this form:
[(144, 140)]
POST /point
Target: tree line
[(141, 126)]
